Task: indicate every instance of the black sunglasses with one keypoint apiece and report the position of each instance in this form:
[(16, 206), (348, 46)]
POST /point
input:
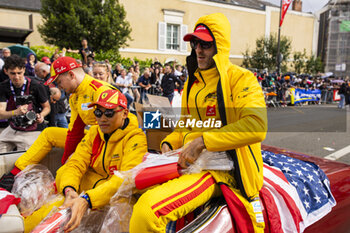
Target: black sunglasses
[(108, 113), (203, 44)]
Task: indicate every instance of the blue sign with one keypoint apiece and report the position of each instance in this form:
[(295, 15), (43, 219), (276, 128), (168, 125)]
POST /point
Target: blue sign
[(151, 120), (301, 95)]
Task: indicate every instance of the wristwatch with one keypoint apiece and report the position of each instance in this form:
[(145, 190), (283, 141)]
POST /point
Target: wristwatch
[(87, 198)]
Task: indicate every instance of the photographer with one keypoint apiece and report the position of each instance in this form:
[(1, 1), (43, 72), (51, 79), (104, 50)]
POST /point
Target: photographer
[(24, 103)]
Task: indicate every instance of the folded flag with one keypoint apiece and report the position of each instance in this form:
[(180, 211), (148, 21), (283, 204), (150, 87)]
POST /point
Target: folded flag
[(7, 199), (295, 193)]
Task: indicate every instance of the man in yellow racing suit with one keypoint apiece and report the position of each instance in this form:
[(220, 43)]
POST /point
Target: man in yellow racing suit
[(216, 90), (115, 144), (84, 89)]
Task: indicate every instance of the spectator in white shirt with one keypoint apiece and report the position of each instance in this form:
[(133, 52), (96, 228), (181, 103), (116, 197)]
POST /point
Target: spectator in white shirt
[(124, 82)]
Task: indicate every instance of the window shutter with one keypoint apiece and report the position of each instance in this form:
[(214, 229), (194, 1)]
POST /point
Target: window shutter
[(161, 35), (183, 44)]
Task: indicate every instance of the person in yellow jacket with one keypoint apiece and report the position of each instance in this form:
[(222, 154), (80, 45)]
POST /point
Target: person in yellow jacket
[(229, 97), (115, 144), (83, 89)]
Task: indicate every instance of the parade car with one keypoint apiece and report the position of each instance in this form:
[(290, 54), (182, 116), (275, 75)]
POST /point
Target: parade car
[(215, 215)]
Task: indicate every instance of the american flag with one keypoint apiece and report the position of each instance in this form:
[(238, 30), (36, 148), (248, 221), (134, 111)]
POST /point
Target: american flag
[(298, 191)]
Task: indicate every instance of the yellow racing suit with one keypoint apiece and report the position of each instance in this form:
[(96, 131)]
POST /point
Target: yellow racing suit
[(225, 93), (81, 116), (91, 167)]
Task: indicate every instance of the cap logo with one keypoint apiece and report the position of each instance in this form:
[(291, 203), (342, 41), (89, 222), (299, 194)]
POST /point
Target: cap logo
[(72, 65), (60, 69), (201, 28), (122, 102), (104, 95)]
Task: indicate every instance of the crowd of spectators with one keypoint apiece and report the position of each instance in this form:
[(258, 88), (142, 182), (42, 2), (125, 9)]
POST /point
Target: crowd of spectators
[(164, 79), (278, 88), (136, 82)]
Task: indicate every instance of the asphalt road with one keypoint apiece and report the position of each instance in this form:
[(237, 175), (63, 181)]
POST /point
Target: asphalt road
[(319, 130)]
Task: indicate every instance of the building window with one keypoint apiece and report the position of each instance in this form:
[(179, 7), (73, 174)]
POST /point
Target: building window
[(172, 37), (171, 31)]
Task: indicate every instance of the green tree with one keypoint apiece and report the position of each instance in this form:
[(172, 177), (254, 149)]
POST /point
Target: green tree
[(299, 61), (114, 58), (314, 65), (102, 23), (265, 53)]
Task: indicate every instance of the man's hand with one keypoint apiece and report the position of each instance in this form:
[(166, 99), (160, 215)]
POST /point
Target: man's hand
[(78, 207), (191, 153), (165, 148), (23, 109), (39, 118), (70, 196)]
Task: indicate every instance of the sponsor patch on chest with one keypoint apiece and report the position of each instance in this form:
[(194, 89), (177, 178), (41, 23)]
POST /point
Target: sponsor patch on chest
[(112, 169), (211, 111)]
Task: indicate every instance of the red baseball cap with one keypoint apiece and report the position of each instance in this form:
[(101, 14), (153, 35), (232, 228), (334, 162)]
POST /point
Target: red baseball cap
[(46, 60), (61, 65), (201, 32), (111, 99)]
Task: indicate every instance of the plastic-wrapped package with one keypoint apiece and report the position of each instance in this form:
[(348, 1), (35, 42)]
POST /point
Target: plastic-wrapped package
[(156, 175), (153, 159), (35, 186), (208, 160), (121, 204), (155, 169), (118, 218), (54, 223), (159, 168), (92, 221)]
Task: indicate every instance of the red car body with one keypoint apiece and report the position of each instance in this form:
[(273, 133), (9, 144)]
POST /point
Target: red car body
[(337, 221)]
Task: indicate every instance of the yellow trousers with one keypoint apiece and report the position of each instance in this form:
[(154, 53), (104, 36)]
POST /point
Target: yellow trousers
[(171, 201), (179, 197), (49, 137)]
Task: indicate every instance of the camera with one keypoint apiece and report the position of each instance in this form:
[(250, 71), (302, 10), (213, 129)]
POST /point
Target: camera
[(24, 99), (27, 119)]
